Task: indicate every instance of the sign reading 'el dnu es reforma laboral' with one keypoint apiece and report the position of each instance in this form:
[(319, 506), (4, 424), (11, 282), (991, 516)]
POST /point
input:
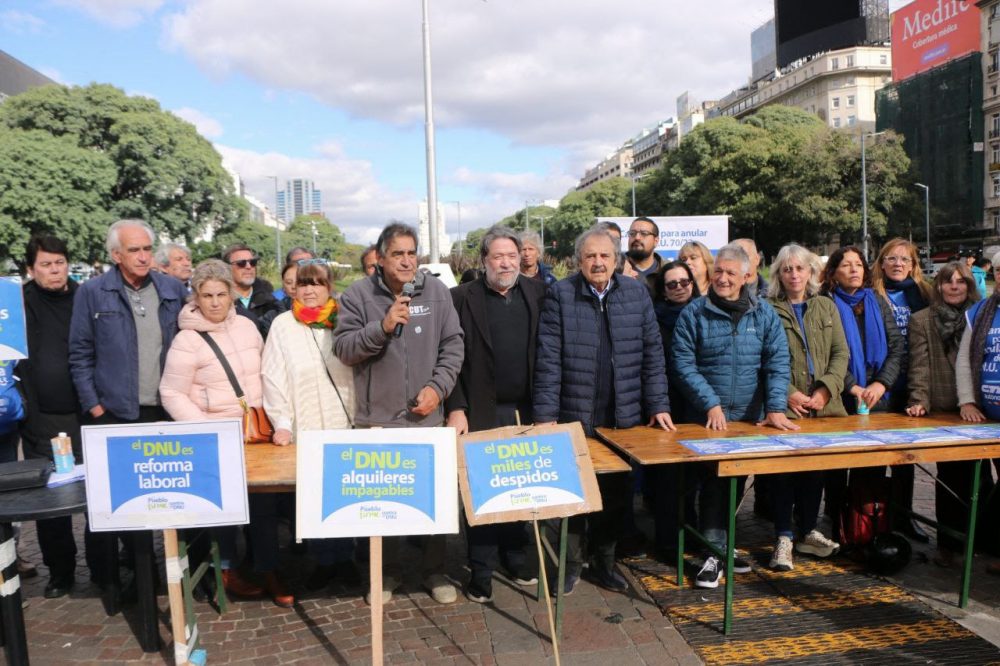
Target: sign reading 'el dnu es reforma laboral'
[(383, 482), (519, 473), (165, 475)]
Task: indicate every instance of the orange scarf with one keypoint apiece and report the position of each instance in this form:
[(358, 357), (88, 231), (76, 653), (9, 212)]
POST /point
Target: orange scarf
[(322, 317)]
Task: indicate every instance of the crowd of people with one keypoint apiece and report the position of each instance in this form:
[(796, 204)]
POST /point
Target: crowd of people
[(629, 339)]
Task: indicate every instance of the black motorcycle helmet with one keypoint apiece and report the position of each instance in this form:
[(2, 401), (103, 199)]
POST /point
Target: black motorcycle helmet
[(888, 553)]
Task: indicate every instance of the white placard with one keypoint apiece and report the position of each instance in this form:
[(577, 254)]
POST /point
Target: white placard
[(379, 482), (169, 475), (711, 230)]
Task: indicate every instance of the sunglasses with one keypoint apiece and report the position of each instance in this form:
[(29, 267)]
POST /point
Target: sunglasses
[(683, 283), (243, 263), (313, 262)]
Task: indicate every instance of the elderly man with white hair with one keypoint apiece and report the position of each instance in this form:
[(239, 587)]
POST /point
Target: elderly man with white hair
[(730, 357), (175, 260), (532, 252), (122, 326)]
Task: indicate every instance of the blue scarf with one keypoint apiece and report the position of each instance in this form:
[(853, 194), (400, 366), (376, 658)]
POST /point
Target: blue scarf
[(873, 352)]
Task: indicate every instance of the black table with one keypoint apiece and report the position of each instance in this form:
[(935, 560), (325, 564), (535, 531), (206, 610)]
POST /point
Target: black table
[(26, 505)]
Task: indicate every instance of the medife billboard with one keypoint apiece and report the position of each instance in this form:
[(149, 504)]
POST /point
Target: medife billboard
[(929, 33)]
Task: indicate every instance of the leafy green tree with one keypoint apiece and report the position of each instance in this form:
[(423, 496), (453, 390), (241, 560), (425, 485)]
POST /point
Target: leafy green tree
[(162, 170), (49, 184), (257, 236), (329, 240), (780, 174), (578, 211)]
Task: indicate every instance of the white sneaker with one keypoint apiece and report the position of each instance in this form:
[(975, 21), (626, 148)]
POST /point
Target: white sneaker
[(816, 544), (782, 558), (441, 589), (389, 585)]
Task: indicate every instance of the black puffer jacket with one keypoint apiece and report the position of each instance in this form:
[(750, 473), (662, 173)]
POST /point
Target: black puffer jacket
[(566, 363)]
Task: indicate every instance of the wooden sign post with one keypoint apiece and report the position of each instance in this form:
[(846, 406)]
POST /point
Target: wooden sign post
[(527, 473), (376, 483)]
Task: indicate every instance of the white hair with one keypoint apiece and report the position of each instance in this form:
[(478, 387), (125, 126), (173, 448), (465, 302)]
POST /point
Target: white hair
[(115, 243)]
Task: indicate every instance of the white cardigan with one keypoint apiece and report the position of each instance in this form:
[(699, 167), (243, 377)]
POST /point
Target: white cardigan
[(298, 394)]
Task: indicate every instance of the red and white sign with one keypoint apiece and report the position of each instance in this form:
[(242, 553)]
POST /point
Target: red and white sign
[(929, 33)]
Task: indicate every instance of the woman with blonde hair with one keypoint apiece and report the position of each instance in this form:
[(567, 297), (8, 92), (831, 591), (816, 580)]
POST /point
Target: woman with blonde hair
[(819, 354), (897, 277), (699, 259), (306, 387)]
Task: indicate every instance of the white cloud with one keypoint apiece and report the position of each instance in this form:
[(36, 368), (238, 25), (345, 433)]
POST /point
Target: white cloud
[(20, 23), (117, 13), (352, 198), (578, 74), (208, 127)]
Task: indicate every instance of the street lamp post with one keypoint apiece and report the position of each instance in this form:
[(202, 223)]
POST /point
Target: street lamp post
[(864, 194), (277, 225), (634, 179), (429, 138), (927, 216)]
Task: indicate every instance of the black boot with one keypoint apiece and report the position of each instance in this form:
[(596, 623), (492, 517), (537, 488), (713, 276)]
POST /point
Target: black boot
[(902, 502)]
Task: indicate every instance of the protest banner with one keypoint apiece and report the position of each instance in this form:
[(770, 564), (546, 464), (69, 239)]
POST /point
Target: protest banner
[(375, 483), (379, 482), (155, 476), (710, 230), (13, 338), (526, 473)]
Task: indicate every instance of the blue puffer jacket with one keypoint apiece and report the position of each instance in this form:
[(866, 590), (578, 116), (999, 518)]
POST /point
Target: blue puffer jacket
[(567, 358), (745, 370)]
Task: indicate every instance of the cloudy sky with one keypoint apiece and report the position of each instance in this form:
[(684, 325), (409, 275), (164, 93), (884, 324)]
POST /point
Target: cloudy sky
[(527, 93)]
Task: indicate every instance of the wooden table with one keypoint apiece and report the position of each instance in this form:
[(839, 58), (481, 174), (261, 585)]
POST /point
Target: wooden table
[(652, 446), (271, 469)]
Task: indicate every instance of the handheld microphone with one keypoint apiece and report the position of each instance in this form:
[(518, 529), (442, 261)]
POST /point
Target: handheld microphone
[(407, 293)]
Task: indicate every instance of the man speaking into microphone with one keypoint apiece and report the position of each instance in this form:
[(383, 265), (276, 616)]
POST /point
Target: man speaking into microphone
[(399, 331)]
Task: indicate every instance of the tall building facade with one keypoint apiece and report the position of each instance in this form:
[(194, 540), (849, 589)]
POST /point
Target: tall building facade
[(838, 86), (300, 197), (990, 38)]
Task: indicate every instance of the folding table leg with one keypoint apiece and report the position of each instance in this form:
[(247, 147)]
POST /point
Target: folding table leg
[(681, 518), (970, 536), (15, 644), (727, 621)]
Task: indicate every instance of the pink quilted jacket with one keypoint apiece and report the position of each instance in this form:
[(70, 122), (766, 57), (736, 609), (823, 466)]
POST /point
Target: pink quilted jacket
[(194, 387)]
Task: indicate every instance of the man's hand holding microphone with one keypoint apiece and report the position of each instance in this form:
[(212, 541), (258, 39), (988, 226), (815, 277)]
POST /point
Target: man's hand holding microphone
[(398, 315)]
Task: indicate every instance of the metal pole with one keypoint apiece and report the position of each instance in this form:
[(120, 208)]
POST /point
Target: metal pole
[(543, 235), (864, 200), (461, 250), (527, 216), (927, 216), (429, 138)]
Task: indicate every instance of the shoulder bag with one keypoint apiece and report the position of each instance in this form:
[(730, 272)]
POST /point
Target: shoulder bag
[(257, 428)]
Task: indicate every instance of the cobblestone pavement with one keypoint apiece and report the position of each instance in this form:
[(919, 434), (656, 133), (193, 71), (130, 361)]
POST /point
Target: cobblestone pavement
[(334, 627)]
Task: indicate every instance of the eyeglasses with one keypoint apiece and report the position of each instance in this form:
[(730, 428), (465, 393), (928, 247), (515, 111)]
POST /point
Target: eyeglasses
[(243, 263), (137, 307), (645, 234), (683, 283), (311, 262), (902, 261)]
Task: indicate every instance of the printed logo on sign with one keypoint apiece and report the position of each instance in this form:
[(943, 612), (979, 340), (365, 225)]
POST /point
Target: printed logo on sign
[(161, 468), (381, 482), (523, 473)]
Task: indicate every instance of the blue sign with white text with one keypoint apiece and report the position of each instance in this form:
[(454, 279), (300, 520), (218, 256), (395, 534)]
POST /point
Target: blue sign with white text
[(13, 339), (370, 477), (163, 468), (523, 473)]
